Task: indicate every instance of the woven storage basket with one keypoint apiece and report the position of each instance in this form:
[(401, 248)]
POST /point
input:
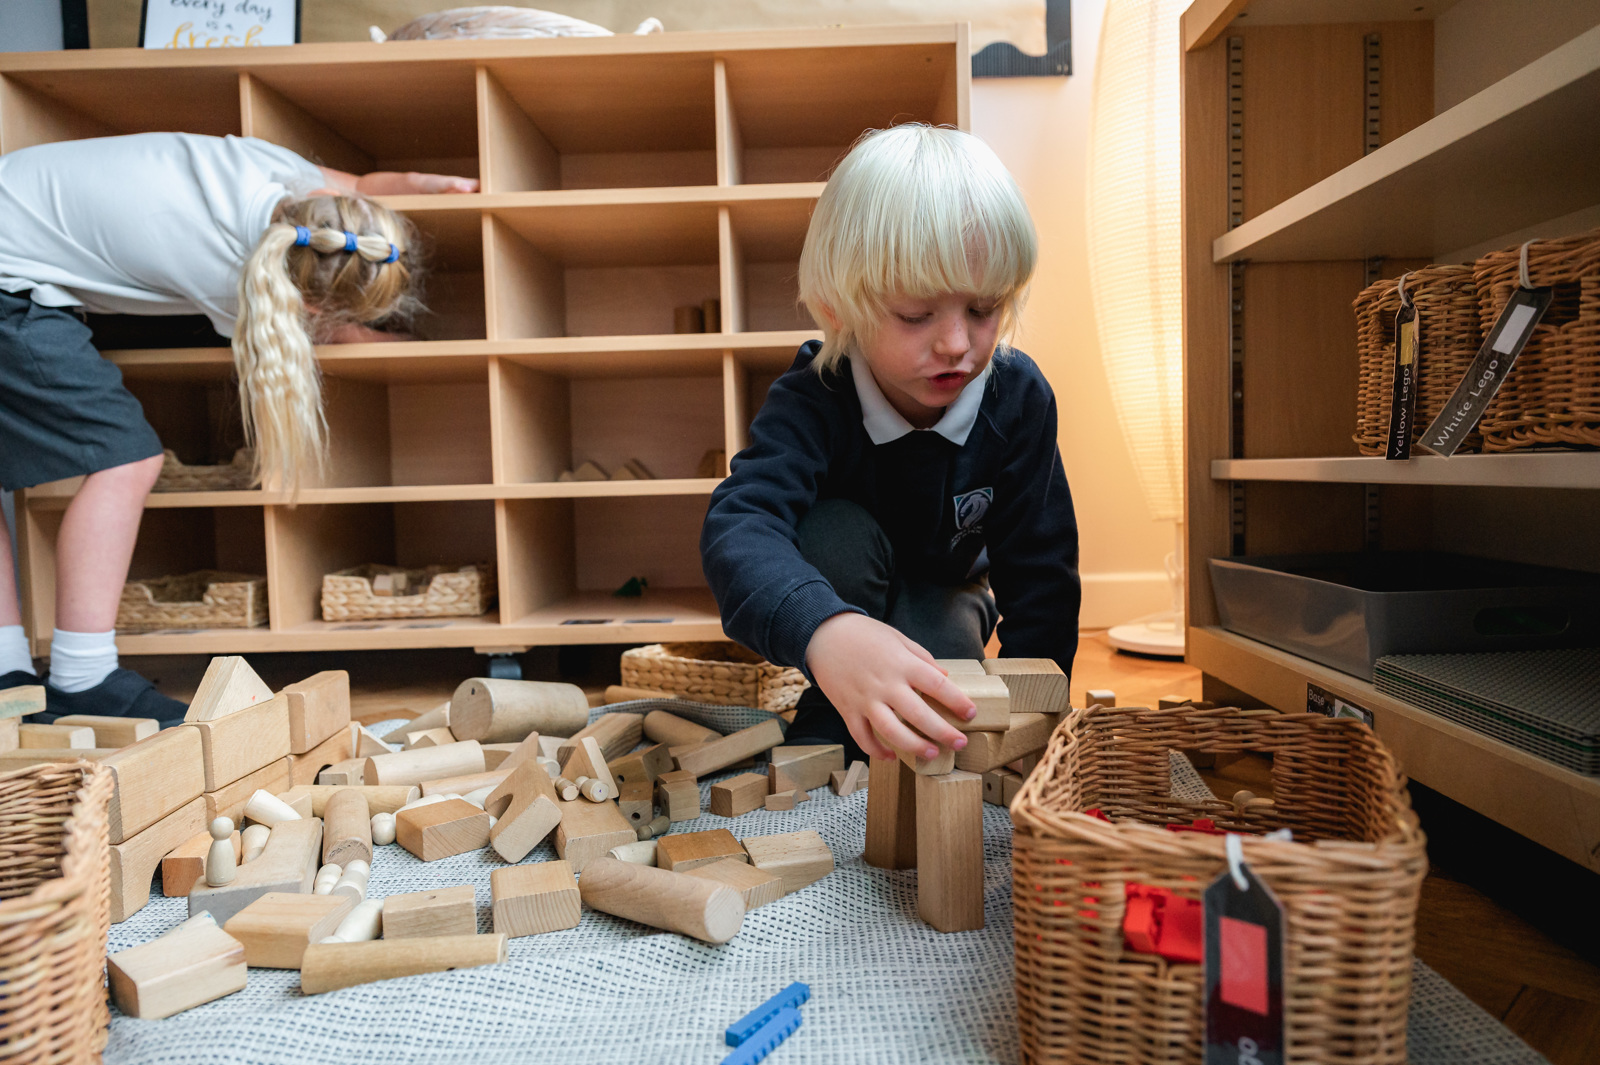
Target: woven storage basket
[(1552, 398), (1447, 313), (1348, 883), (715, 672), (448, 592), (176, 477), (206, 599), (55, 883)]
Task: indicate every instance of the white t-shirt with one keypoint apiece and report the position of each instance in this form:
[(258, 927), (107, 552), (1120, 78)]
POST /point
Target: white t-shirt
[(152, 223)]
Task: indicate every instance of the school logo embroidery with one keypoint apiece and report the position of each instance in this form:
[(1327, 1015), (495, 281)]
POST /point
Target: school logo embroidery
[(970, 509)]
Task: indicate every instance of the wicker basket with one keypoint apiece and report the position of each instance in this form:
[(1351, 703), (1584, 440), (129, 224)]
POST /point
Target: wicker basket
[(1552, 398), (176, 477), (449, 592), (718, 672), (1447, 313), (1349, 885), (207, 599), (55, 880)]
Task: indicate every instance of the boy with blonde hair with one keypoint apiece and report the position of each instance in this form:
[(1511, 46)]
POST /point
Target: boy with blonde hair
[(902, 489)]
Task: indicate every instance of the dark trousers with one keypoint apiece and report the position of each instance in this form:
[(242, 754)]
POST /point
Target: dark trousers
[(850, 549)]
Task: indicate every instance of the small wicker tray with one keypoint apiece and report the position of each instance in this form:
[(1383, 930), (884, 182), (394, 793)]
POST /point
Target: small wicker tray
[(448, 591), (715, 672), (176, 477), (207, 599)]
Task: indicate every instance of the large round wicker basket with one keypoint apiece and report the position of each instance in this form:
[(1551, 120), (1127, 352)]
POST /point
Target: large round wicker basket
[(1349, 884), (713, 672)]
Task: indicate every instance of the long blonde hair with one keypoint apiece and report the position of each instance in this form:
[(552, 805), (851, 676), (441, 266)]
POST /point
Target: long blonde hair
[(307, 266), (915, 210)]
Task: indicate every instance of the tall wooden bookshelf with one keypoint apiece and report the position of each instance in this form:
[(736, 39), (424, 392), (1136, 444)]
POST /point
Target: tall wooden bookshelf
[(621, 177), (1314, 162)]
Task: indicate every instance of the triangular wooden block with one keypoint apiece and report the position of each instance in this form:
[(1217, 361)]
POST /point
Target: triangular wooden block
[(588, 760), (590, 472), (229, 685), (623, 473), (639, 470)]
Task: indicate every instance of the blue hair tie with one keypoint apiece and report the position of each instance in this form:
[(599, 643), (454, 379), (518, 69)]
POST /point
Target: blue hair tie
[(394, 254), (302, 236), (349, 241)]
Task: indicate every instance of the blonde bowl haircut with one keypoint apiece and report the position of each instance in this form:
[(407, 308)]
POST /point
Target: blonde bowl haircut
[(919, 211), (280, 385)]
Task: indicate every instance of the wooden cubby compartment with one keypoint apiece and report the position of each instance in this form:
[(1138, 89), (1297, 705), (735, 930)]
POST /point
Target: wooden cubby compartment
[(406, 432)]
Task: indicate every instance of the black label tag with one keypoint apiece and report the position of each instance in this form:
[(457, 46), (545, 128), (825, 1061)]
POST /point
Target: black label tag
[(1243, 973), (1403, 401), (1324, 702), (1506, 339)]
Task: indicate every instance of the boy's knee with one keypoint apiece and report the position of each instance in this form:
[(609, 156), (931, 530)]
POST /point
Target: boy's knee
[(135, 475)]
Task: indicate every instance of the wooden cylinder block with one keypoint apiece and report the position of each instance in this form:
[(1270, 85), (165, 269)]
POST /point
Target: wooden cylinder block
[(347, 828), (676, 902), (504, 711), (425, 763), (674, 731), (330, 966), (380, 799)]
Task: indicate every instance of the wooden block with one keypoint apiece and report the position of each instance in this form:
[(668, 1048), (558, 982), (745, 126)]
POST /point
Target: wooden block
[(1037, 685), (432, 737), (721, 753), (350, 771), (441, 829), (319, 706), (153, 778), (346, 828), (589, 830), (229, 685), (526, 811), (185, 864), (617, 693), (236, 744), (1010, 785), (674, 731), (779, 800), (425, 764), (134, 861), (1172, 702), (17, 758), (9, 726), (530, 899), (989, 695), (691, 906), (950, 851), (1024, 766), (637, 802), (891, 815), (756, 886), (23, 699), (450, 911), (277, 928), (438, 717), (381, 798), (991, 750), (335, 750), (194, 963), (960, 666), (738, 795), (462, 785), (678, 797), (616, 733), (33, 737), (1102, 696), (493, 710), (688, 850), (228, 801), (114, 731), (647, 765), (994, 785), (330, 966), (495, 754), (588, 760), (289, 863), (809, 766), (931, 767), (364, 744), (851, 780), (799, 858)]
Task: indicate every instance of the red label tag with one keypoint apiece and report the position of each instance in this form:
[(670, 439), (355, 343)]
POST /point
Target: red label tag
[(1244, 965)]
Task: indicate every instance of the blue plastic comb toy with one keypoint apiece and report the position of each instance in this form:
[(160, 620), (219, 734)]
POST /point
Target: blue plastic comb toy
[(765, 1040), (793, 996)]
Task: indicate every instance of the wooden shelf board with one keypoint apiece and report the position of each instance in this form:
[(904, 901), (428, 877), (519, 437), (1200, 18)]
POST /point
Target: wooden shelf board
[(56, 496), (419, 207), (1523, 469), (1555, 807), (692, 612), (1522, 151)]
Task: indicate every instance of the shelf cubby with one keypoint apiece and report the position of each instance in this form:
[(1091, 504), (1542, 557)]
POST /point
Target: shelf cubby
[(41, 106), (407, 432)]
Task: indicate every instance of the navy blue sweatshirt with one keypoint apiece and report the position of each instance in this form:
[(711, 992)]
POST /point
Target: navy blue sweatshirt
[(808, 443)]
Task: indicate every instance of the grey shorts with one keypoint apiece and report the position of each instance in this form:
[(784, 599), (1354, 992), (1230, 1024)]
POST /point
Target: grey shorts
[(63, 408)]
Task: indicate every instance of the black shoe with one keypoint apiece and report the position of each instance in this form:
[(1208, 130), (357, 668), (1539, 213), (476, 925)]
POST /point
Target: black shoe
[(123, 693)]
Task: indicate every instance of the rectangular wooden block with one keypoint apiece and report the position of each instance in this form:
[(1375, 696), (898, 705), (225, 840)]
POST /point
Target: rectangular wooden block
[(319, 706), (809, 766), (190, 965), (757, 886), (679, 797), (891, 815), (9, 725), (1010, 785), (228, 801), (637, 802), (799, 858), (779, 800), (589, 830), (950, 851), (738, 795), (932, 767), (450, 911), (994, 783), (991, 750), (134, 861), (441, 829), (289, 863), (959, 666), (647, 764), (721, 753), (617, 733), (330, 966), (535, 898), (114, 731), (277, 928), (688, 850), (1037, 685), (239, 743), (335, 750), (989, 696), (33, 737), (185, 865), (20, 700), (381, 798), (350, 771), (462, 785), (154, 777)]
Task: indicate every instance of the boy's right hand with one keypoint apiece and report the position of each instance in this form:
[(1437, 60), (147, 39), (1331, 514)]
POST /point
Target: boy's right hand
[(873, 675)]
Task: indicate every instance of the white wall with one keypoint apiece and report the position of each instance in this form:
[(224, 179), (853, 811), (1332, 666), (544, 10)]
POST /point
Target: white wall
[(30, 25)]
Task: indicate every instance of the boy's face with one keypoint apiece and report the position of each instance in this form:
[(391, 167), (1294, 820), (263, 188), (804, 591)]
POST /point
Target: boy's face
[(927, 348)]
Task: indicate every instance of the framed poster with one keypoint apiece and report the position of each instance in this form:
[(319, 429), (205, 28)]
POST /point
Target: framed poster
[(218, 23)]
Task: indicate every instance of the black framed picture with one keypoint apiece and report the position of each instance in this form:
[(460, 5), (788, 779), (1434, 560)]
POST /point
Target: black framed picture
[(1003, 60), (218, 23)]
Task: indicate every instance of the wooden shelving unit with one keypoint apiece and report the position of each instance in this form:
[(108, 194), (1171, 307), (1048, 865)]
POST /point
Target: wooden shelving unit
[(1314, 164), (621, 177)]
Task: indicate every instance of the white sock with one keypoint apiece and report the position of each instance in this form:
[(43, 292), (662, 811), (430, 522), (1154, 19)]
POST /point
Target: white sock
[(14, 650), (80, 660)]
